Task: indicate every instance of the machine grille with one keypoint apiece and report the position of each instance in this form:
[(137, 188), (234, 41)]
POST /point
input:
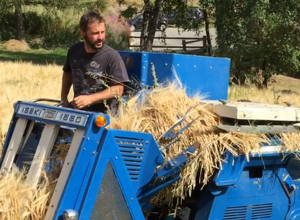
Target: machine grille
[(132, 151), (110, 203), (262, 211), (237, 213)]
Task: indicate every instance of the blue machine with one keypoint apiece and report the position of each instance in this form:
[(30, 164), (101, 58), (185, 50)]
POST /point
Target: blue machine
[(266, 187), (199, 74), (113, 174)]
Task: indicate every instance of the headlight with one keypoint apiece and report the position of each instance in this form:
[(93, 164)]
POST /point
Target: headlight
[(70, 214)]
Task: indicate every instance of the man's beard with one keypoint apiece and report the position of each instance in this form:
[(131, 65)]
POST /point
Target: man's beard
[(93, 44)]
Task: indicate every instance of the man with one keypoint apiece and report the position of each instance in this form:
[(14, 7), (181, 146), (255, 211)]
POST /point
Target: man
[(96, 71)]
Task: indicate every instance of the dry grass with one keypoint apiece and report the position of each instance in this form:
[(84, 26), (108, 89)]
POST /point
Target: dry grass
[(16, 45), (20, 201), (269, 95), (25, 81), (280, 89), (160, 109)]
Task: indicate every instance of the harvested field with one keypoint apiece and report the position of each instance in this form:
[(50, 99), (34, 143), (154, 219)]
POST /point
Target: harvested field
[(160, 109)]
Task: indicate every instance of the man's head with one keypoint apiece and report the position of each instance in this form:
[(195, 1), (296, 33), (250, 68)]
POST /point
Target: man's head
[(92, 29)]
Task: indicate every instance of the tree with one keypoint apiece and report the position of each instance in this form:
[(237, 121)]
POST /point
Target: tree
[(150, 19), (151, 14), (19, 20), (51, 6), (261, 38)]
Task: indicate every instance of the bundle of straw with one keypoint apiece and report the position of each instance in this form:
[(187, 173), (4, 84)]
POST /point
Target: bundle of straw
[(157, 110), (20, 201), (154, 111)]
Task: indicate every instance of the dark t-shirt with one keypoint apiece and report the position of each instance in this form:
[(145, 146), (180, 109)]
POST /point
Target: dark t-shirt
[(95, 72)]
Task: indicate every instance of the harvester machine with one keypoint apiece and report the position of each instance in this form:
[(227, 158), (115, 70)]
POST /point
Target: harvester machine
[(114, 174)]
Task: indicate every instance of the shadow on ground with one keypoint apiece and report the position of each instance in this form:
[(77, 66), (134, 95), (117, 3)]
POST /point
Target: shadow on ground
[(42, 58)]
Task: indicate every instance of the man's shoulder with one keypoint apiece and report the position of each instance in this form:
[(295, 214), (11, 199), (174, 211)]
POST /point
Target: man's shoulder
[(108, 49), (76, 46)]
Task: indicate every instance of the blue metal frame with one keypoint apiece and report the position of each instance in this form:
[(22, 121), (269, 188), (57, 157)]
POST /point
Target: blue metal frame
[(81, 168), (59, 109), (109, 152), (8, 136), (91, 116), (84, 161), (198, 74)]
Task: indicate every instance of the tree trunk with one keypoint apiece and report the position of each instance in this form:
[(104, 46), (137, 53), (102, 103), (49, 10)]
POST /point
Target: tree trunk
[(205, 17), (146, 19), (153, 24), (20, 35), (150, 21)]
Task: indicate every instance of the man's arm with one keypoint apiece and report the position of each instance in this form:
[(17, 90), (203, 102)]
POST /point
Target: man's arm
[(65, 89), (86, 100)]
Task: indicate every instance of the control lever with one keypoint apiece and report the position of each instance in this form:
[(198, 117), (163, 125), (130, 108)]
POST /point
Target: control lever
[(288, 185)]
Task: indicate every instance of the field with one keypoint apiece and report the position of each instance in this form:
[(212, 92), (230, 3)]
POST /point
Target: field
[(37, 74)]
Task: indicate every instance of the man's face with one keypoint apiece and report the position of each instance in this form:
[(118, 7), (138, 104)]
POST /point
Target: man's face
[(94, 36)]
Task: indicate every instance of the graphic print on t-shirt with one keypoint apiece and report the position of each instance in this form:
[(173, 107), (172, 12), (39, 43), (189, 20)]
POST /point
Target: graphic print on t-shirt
[(83, 83)]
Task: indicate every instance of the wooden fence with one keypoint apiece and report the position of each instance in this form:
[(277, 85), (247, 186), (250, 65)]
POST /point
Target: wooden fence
[(185, 43)]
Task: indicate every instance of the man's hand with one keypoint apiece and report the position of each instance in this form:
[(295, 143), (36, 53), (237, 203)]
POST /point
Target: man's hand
[(82, 101)]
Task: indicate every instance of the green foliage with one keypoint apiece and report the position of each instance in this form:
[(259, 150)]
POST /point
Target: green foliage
[(129, 12), (181, 10), (41, 30), (261, 37), (54, 25)]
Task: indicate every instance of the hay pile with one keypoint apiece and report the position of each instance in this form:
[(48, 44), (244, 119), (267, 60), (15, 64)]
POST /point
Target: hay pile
[(20, 201), (156, 111), (16, 45)]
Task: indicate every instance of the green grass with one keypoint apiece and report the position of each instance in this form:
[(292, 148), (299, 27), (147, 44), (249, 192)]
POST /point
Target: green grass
[(42, 57)]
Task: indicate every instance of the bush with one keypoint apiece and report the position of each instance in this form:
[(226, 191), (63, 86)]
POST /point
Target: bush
[(49, 31), (116, 33)]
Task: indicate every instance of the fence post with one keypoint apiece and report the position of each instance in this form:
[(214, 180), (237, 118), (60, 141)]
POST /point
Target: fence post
[(204, 41), (184, 45)]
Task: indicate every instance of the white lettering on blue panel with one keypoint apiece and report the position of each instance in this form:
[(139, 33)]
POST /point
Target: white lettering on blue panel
[(38, 113)]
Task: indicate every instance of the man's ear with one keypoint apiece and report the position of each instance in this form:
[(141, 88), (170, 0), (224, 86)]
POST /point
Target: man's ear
[(82, 34)]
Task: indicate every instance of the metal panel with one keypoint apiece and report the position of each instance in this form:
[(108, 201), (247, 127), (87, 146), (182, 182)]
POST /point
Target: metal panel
[(198, 74), (262, 211), (64, 175), (137, 151), (238, 213), (110, 202), (109, 153), (132, 151), (53, 115), (257, 111), (78, 169), (14, 144), (42, 152)]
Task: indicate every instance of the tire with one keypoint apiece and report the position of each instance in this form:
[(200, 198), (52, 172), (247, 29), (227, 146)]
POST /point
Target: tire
[(162, 27)]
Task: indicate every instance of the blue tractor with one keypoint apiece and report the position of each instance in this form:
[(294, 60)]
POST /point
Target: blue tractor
[(113, 174)]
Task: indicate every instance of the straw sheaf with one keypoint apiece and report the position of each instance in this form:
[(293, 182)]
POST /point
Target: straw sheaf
[(152, 111), (20, 201), (157, 110)]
